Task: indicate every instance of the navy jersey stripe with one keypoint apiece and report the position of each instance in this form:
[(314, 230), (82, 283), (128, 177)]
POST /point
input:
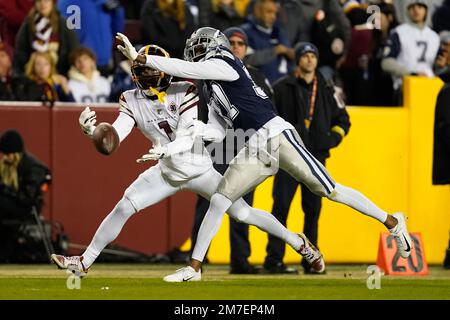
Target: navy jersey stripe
[(307, 161), (316, 161)]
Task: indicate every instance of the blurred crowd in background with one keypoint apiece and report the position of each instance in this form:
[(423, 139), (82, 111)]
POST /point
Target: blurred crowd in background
[(64, 50)]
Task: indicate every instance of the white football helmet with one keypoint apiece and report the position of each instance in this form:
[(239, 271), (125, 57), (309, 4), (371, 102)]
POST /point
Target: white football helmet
[(204, 43)]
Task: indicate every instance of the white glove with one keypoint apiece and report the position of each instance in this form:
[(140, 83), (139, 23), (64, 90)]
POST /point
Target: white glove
[(87, 121), (198, 129), (127, 49), (208, 132), (156, 153)]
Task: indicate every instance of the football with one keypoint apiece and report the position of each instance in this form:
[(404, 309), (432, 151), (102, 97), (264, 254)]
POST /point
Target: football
[(105, 138)]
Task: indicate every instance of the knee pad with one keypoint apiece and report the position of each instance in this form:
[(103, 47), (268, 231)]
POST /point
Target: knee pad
[(239, 211), (125, 207)]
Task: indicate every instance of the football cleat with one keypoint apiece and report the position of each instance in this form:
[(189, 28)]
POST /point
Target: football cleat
[(73, 264), (401, 235), (311, 254), (184, 274)]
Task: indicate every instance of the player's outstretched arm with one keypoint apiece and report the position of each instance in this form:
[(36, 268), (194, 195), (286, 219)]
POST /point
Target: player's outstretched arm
[(212, 69)]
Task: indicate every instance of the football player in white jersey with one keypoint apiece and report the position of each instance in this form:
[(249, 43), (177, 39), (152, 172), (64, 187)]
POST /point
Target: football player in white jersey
[(166, 113), (412, 46), (235, 99)]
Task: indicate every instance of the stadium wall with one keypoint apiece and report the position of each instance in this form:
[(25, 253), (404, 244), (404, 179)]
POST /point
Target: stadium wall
[(387, 155)]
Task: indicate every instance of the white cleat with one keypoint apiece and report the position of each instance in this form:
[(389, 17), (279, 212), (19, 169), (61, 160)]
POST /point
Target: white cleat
[(401, 235), (311, 254), (73, 264), (184, 274)]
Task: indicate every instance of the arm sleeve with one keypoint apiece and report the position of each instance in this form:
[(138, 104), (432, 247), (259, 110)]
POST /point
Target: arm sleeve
[(216, 128), (125, 121), (212, 69)]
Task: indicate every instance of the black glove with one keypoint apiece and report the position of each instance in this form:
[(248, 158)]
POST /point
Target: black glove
[(111, 5)]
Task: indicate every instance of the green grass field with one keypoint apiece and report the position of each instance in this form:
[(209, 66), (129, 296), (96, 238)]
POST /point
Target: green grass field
[(143, 281)]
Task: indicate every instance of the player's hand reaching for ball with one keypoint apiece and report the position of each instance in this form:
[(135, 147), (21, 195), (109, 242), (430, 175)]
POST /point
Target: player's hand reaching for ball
[(155, 153), (87, 121), (126, 48)]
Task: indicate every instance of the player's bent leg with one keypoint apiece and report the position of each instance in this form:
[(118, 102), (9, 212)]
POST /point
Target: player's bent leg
[(296, 160), (243, 174), (108, 230), (149, 188), (242, 212), (265, 221), (361, 203)]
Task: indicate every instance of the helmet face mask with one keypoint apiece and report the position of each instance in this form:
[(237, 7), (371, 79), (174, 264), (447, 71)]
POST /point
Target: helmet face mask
[(203, 42), (145, 77)]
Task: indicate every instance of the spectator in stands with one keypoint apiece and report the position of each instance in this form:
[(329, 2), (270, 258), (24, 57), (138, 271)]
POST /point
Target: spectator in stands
[(412, 47), (307, 101), (442, 65), (403, 14), (330, 31), (381, 86), (321, 22), (224, 15), (6, 85), (21, 179), (133, 9), (108, 17), (122, 80), (441, 17), (41, 81), (355, 69), (85, 81), (167, 23), (43, 30), (12, 14), (269, 48)]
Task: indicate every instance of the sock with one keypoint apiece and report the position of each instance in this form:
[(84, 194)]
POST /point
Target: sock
[(265, 221), (210, 225), (268, 223), (108, 230), (357, 201)]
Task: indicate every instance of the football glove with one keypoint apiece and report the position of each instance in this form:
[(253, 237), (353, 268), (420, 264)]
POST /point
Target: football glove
[(155, 153), (87, 121), (127, 48)]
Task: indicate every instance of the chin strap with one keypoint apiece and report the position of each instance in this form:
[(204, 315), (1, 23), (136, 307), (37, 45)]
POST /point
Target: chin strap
[(161, 95)]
